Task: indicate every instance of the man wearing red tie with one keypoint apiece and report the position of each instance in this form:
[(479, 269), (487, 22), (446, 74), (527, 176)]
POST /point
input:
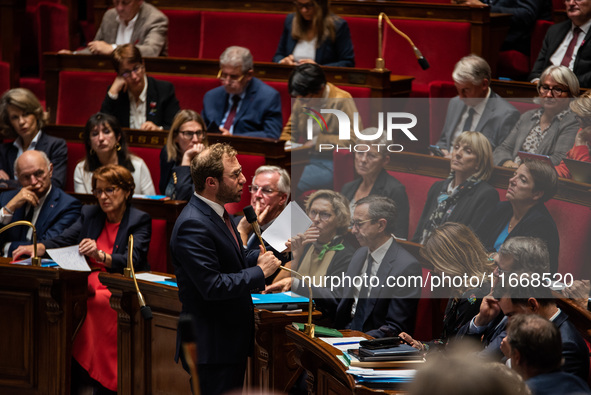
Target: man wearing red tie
[(243, 105), (215, 274)]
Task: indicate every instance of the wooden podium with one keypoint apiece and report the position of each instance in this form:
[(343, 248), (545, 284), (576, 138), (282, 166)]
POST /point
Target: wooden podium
[(146, 348), (42, 310)]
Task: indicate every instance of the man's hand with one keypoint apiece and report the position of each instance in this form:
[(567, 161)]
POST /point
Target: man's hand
[(27, 250), (118, 86), (415, 343), (24, 196), (149, 125), (100, 48), (225, 132), (489, 309), (267, 262), (282, 285)]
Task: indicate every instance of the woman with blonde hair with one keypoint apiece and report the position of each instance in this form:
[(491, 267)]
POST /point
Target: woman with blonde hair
[(313, 34), (582, 149), (456, 253), (186, 139), (465, 196)]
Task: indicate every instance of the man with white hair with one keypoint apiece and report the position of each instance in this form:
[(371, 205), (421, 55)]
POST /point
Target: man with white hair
[(47, 207), (243, 105), (476, 108)]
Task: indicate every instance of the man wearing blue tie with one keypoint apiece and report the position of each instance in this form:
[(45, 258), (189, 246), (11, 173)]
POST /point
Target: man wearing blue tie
[(49, 208)]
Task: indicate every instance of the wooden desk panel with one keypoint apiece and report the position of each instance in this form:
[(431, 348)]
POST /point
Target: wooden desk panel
[(43, 309), (146, 349)]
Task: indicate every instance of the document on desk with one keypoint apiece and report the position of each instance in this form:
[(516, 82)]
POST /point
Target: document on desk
[(69, 258), (343, 343), (290, 222)]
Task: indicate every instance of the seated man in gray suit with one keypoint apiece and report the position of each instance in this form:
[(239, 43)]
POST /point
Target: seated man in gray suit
[(477, 107), (130, 22)]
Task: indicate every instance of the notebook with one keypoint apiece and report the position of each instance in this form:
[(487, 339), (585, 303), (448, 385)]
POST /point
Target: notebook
[(526, 155), (580, 171)]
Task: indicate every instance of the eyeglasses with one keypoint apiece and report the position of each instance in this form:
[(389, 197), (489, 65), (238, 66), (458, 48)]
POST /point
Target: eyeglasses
[(357, 223), (127, 73), (556, 91), (301, 6), (323, 215), (188, 134), (108, 191), (229, 78), (264, 190)]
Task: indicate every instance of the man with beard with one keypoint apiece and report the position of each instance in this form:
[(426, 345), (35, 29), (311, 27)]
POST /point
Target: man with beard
[(215, 274)]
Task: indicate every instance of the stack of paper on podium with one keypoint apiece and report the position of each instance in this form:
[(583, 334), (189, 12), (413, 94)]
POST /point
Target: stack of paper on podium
[(385, 379), (280, 301)]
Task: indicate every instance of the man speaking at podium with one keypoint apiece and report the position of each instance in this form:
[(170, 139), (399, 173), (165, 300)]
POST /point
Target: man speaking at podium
[(215, 274)]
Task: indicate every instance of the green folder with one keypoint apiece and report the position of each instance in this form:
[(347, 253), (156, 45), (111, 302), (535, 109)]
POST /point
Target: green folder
[(319, 330)]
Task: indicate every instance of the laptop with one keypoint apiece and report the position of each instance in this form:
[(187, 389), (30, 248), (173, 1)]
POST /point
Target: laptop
[(579, 170)]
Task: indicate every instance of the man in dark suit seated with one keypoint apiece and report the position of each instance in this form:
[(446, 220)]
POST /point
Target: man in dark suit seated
[(377, 308), (215, 274), (130, 21), (243, 105), (534, 345), (269, 194), (138, 101), (476, 108), (49, 208), (567, 44), (539, 301)]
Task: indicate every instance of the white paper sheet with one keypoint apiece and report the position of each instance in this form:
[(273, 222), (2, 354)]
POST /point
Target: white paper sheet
[(69, 258), (291, 221), (150, 277), (343, 343)]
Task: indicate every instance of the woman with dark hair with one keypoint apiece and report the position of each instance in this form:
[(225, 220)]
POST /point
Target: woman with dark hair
[(465, 196), (454, 250), (21, 119), (106, 143), (524, 213), (549, 130), (102, 232), (136, 100), (313, 34), (186, 139)]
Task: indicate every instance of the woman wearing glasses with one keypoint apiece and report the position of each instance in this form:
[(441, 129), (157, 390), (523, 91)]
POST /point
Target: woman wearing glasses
[(322, 250), (582, 149), (313, 34), (106, 143), (138, 101), (549, 130), (102, 233), (186, 139)]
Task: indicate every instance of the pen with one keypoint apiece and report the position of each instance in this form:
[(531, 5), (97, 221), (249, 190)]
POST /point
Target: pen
[(344, 343)]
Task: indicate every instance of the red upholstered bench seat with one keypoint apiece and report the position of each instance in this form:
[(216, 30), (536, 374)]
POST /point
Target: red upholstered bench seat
[(364, 35), (184, 33)]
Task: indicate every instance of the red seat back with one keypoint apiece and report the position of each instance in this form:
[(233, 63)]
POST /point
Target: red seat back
[(76, 153), (281, 87), (53, 29), (158, 250), (259, 33), (152, 158), (438, 91), (364, 35), (433, 39), (537, 38), (80, 94), (184, 31), (4, 77), (189, 90)]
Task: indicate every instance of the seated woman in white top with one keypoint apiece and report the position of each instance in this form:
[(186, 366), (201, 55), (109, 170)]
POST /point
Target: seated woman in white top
[(106, 143)]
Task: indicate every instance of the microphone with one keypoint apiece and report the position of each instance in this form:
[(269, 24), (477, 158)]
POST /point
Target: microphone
[(251, 217), (35, 260), (380, 60), (146, 311), (189, 345)]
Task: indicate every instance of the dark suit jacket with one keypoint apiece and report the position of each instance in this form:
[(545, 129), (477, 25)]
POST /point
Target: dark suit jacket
[(496, 122), (389, 310), (557, 383), (90, 225), (524, 14), (558, 140), (330, 53), (574, 349), (387, 186), (56, 151), (469, 210), (554, 36), (59, 211), (150, 33), (259, 114), (161, 93), (215, 279), (184, 183), (536, 223)]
